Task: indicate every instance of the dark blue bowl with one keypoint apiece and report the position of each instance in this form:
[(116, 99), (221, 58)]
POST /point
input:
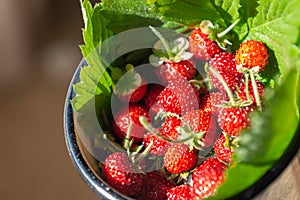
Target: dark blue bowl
[(103, 190)]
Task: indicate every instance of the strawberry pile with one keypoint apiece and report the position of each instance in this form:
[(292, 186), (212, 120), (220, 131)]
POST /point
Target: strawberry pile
[(179, 134)]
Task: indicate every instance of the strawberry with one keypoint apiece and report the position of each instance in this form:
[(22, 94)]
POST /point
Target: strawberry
[(170, 71), (181, 192), (201, 46), (198, 120), (155, 186), (179, 97), (150, 99), (159, 146), (225, 65), (207, 177), (128, 115), (242, 93), (120, 174), (131, 87), (233, 120), (252, 54), (169, 127), (201, 121), (180, 158), (212, 102), (223, 153)]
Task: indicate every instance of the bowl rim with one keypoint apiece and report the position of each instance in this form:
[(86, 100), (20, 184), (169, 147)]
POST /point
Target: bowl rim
[(101, 189)]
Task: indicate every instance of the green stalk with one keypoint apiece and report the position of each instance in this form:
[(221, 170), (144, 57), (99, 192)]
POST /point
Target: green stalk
[(223, 33), (163, 40), (147, 126), (255, 90), (227, 89)]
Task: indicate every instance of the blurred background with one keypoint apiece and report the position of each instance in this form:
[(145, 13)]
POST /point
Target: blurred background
[(39, 52)]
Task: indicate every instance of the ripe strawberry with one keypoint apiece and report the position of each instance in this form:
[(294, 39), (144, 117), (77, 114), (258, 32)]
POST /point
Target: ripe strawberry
[(201, 46), (252, 54), (179, 158), (225, 65), (120, 174), (159, 146), (207, 177), (179, 97), (201, 121), (128, 115), (169, 127), (150, 99), (170, 71), (233, 120), (198, 120), (131, 87), (242, 93), (223, 153), (155, 186), (181, 192), (139, 93), (212, 102)]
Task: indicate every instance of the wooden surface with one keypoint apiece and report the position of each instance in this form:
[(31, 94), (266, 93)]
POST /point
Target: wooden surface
[(286, 186)]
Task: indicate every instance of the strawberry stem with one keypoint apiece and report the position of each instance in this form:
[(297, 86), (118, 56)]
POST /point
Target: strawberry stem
[(147, 126), (144, 153), (127, 137), (247, 87), (163, 40), (255, 90), (223, 33), (223, 82)]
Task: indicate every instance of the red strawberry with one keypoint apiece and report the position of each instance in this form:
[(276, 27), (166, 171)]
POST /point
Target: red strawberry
[(170, 71), (201, 46), (155, 186), (252, 54), (201, 121), (225, 65), (150, 99), (179, 97), (169, 127), (180, 158), (212, 102), (140, 92), (181, 192), (128, 115), (159, 147), (242, 93), (233, 120), (224, 61), (198, 120), (223, 153), (131, 87), (207, 177), (120, 174)]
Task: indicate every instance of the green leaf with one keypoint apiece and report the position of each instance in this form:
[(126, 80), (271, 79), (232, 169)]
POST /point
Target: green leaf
[(188, 12), (94, 79), (277, 25), (128, 14)]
